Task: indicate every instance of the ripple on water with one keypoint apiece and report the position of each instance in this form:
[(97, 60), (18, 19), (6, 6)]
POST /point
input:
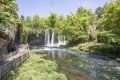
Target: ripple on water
[(71, 63)]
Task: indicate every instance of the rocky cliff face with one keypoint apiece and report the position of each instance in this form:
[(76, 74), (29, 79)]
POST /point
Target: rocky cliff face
[(3, 46), (6, 37), (91, 32)]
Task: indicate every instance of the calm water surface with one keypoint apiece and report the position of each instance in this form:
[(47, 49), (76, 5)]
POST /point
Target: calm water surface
[(79, 66)]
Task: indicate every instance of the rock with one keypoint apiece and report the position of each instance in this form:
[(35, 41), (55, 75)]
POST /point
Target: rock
[(3, 46), (6, 37)]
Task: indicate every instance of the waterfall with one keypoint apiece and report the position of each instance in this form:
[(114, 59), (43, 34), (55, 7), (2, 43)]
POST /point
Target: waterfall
[(49, 41), (59, 41), (64, 41), (52, 39), (45, 40), (48, 38)]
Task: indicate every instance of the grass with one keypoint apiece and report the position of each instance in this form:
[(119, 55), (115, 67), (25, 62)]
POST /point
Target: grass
[(97, 48), (36, 68), (74, 47)]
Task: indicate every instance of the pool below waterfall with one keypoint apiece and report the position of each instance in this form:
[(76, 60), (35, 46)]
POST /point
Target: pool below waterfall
[(79, 66)]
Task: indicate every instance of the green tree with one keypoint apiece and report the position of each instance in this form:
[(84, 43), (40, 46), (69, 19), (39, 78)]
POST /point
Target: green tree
[(109, 29), (99, 12), (110, 22), (52, 20), (80, 22), (8, 11)]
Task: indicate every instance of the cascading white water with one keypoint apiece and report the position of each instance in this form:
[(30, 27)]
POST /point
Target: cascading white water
[(61, 41), (45, 40), (48, 38), (64, 41), (52, 39), (49, 41)]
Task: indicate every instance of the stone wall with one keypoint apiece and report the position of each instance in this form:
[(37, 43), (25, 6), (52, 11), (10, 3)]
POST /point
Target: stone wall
[(5, 38), (3, 46)]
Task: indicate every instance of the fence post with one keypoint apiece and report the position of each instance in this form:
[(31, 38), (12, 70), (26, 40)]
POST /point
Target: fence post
[(0, 72), (14, 62), (22, 58)]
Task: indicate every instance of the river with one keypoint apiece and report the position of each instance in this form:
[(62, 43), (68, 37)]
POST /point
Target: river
[(77, 65)]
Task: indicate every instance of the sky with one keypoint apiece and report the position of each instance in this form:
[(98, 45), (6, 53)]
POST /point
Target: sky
[(61, 7)]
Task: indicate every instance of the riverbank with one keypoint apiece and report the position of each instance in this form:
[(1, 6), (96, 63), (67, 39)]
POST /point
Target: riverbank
[(36, 68), (97, 48)]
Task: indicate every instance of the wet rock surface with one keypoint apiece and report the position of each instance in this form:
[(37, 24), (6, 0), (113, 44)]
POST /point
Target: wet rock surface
[(6, 38)]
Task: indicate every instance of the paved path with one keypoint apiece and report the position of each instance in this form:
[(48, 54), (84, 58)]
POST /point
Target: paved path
[(20, 51)]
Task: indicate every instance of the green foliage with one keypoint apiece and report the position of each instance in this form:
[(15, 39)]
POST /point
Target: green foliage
[(78, 25), (2, 27), (75, 27), (52, 20), (110, 22), (36, 68), (36, 22), (108, 29), (99, 12), (8, 11)]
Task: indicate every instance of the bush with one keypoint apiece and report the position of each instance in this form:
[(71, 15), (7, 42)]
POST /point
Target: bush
[(36, 68)]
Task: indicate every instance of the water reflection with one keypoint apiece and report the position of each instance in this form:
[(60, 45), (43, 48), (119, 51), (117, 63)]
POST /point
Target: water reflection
[(78, 66)]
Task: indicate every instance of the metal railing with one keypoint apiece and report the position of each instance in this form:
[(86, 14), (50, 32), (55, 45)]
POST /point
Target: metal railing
[(6, 56), (11, 54), (13, 62)]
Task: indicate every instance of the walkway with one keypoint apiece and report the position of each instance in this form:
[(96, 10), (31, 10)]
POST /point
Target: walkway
[(13, 59)]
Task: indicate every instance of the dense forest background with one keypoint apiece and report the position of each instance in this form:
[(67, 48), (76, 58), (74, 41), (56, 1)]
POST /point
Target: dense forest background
[(95, 32)]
